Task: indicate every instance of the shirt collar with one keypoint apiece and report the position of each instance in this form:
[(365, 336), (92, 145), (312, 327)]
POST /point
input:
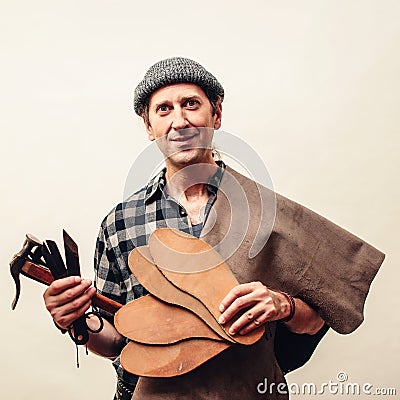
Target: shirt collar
[(156, 185)]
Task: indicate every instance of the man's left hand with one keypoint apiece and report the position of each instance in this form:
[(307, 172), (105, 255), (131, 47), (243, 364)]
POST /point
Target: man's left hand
[(261, 305)]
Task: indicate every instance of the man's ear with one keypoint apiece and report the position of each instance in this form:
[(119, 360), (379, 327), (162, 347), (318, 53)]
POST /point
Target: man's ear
[(218, 115), (149, 129)]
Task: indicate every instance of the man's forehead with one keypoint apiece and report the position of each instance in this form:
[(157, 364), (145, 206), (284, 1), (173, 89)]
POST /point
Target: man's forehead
[(176, 91)]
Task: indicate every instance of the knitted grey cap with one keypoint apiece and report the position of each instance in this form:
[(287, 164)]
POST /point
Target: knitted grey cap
[(176, 70)]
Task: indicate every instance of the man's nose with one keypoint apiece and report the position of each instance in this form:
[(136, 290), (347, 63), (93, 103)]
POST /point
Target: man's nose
[(179, 120)]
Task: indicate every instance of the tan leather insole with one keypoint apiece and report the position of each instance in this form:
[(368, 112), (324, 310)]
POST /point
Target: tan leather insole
[(180, 252), (141, 265), (169, 247), (171, 360), (151, 321)]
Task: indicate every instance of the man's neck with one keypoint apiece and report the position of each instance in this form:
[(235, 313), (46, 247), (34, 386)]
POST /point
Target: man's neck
[(189, 180), (188, 186)]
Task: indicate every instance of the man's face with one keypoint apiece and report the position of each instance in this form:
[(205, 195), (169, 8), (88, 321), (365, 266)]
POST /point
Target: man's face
[(181, 120)]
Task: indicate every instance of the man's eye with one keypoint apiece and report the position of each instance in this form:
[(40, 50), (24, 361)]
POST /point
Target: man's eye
[(192, 103), (163, 108)]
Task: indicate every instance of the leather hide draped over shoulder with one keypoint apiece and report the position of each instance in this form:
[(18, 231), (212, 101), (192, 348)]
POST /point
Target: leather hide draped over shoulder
[(294, 250), (306, 255)]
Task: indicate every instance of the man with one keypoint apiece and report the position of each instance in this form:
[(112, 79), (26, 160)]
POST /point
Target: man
[(181, 106)]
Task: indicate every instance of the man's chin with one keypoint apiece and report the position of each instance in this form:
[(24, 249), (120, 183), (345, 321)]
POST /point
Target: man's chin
[(188, 157)]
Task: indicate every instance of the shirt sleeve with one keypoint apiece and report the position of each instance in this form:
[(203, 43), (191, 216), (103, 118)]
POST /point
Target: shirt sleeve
[(108, 278)]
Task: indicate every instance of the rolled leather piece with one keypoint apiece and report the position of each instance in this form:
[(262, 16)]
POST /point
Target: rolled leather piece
[(170, 247), (160, 322), (146, 272), (171, 360)]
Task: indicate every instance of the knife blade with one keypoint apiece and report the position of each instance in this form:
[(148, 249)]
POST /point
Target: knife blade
[(80, 334)]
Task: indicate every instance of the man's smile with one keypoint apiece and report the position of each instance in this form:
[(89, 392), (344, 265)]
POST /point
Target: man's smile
[(184, 140), (184, 135)]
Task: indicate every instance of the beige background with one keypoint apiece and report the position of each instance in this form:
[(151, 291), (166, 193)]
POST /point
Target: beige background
[(313, 86)]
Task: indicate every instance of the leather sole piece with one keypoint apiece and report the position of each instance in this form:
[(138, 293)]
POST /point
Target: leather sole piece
[(160, 323), (170, 247), (147, 273), (172, 360), (178, 270)]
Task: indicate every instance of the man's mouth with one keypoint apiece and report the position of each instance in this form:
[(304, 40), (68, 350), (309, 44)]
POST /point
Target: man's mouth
[(184, 138), (184, 141)]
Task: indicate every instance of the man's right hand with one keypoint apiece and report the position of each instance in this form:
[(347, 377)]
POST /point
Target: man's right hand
[(68, 298)]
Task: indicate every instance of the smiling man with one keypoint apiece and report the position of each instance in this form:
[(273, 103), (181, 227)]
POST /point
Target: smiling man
[(182, 118), (288, 286)]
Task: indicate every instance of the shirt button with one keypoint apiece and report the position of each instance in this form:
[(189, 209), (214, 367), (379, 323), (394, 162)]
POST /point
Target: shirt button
[(182, 211)]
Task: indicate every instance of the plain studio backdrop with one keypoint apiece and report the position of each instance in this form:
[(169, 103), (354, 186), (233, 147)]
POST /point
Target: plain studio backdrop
[(313, 86)]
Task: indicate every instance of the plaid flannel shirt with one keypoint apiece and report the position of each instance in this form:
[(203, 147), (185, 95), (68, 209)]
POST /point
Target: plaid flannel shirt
[(128, 226)]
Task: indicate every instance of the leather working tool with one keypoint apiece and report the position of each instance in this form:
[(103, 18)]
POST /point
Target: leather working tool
[(79, 331), (43, 263)]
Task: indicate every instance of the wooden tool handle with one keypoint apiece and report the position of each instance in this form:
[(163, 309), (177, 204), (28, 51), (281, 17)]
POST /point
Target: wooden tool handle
[(43, 275)]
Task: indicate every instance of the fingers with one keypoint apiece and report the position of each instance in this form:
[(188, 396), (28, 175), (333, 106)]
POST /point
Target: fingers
[(236, 292), (68, 298), (237, 305), (249, 320), (240, 297), (67, 313), (74, 299), (62, 291), (65, 320), (59, 285), (259, 304)]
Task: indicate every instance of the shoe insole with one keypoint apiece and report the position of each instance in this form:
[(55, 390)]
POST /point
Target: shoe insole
[(173, 250), (142, 266), (171, 360), (152, 321)]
